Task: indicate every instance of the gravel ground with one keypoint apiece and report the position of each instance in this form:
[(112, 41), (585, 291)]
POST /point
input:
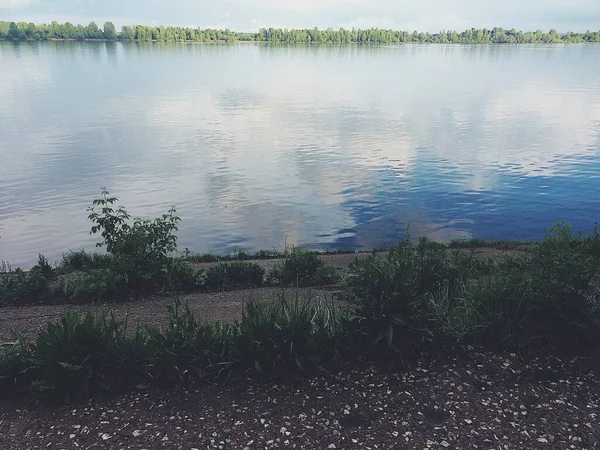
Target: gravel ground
[(473, 401)]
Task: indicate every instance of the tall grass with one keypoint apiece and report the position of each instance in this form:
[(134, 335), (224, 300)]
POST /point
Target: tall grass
[(81, 356)]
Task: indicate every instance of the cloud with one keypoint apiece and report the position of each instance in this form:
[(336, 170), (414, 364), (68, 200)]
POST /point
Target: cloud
[(424, 15), (9, 4)]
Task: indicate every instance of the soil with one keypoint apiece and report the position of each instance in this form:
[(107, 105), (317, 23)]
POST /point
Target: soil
[(470, 401)]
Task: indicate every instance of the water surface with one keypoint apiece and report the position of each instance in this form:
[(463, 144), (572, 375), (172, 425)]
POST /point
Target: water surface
[(331, 147)]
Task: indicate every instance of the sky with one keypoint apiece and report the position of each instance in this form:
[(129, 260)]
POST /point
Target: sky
[(250, 15)]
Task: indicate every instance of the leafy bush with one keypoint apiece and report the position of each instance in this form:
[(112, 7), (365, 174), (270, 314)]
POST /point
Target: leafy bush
[(142, 248), (187, 350), (19, 286), (302, 268), (287, 335), (81, 260), (238, 256), (74, 358), (98, 285), (181, 276), (240, 273), (393, 294), (548, 298)]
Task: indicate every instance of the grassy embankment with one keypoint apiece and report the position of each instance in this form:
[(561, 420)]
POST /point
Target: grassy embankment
[(418, 296)]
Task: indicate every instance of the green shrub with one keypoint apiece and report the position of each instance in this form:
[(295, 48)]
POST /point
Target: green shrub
[(14, 365), (187, 350), (81, 260), (238, 256), (287, 335), (181, 276), (19, 286), (142, 248), (393, 294), (302, 268), (99, 285), (75, 358), (229, 274), (547, 299)]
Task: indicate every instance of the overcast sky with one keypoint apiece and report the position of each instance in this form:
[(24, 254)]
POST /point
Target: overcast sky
[(249, 15)]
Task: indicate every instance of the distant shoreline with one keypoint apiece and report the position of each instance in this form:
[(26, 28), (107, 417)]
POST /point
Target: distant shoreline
[(156, 41), (144, 33)]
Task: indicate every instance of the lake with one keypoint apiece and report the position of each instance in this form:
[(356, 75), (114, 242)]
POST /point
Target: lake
[(329, 147)]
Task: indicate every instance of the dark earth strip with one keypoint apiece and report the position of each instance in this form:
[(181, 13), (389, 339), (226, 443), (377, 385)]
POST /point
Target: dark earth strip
[(473, 401)]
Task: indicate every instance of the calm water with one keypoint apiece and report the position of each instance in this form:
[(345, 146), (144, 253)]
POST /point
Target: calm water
[(329, 147)]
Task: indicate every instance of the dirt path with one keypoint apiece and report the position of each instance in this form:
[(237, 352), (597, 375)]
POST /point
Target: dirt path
[(478, 400), (208, 307)]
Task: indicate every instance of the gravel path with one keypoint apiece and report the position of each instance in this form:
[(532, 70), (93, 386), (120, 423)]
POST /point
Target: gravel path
[(207, 307), (476, 401)]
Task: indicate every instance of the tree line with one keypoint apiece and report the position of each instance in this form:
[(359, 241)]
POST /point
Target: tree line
[(55, 30)]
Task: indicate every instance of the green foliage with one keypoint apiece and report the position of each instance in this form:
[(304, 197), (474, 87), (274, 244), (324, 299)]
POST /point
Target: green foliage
[(19, 286), (74, 357), (229, 274), (394, 294), (238, 256), (187, 349), (110, 32), (546, 298), (302, 268), (287, 335), (419, 295), (181, 276), (141, 248), (98, 285), (482, 243), (81, 260), (54, 30)]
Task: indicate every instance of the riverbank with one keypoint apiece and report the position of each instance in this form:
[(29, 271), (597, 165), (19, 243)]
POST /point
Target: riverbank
[(144, 316), (31, 317), (419, 346)]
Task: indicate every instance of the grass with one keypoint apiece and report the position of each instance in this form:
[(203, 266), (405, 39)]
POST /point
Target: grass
[(81, 356), (226, 275)]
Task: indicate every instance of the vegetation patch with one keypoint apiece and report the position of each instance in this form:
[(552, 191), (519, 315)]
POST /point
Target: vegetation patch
[(229, 274), (299, 267)]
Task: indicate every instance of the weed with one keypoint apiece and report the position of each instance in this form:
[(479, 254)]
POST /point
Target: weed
[(224, 275), (19, 286), (81, 260), (287, 335), (98, 285), (394, 294), (302, 268)]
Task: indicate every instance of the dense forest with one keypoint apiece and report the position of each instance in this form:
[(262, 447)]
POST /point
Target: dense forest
[(54, 30)]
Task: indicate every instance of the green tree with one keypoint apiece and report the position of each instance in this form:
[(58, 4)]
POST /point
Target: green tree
[(14, 32), (93, 32), (110, 32), (4, 27)]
